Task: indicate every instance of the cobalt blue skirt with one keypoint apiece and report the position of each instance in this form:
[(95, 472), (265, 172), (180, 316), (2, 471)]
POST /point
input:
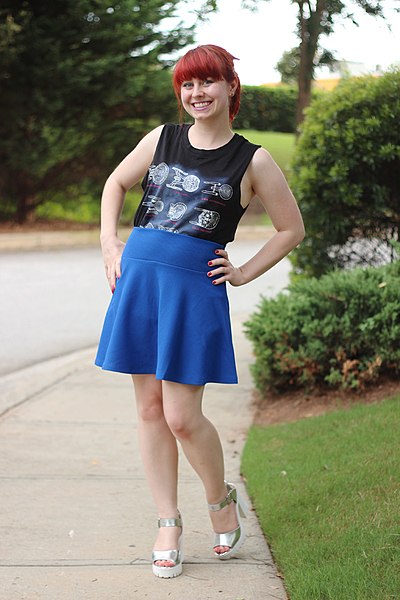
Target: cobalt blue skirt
[(165, 316)]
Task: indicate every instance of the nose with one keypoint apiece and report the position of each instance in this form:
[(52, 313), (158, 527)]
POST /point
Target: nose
[(197, 88)]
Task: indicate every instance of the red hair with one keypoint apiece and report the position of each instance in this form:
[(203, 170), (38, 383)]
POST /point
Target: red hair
[(208, 61)]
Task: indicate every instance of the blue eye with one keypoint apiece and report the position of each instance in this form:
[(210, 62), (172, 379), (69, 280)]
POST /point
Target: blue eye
[(187, 84)]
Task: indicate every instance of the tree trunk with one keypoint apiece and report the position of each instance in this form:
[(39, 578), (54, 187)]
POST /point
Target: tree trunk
[(24, 209), (25, 198), (310, 29)]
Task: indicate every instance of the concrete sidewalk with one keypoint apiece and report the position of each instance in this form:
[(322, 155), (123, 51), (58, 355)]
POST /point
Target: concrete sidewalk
[(77, 521)]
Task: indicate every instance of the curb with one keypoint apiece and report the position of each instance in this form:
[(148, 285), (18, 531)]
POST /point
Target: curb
[(55, 240), (23, 385)]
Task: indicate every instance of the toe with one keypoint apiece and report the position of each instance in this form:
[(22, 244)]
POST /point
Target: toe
[(221, 549), (164, 563)]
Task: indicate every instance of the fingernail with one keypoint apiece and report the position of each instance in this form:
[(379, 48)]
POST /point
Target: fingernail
[(217, 252), (210, 263), (209, 274), (113, 289), (214, 282)]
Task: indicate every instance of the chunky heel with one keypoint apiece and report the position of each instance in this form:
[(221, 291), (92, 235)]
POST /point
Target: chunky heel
[(173, 556), (235, 538)]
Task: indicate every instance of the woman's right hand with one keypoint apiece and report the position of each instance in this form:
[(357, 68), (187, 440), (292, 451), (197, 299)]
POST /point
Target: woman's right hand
[(112, 249)]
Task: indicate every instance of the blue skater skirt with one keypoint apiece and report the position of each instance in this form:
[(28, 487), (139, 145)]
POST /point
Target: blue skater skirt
[(165, 316)]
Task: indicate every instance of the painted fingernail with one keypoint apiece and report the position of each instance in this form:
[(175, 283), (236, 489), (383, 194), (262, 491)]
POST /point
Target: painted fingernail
[(209, 274), (210, 263), (214, 282), (217, 252), (113, 289)]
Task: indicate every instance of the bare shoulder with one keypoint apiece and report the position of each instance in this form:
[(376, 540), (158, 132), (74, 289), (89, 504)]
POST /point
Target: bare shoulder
[(150, 140), (136, 163), (267, 180), (262, 161)]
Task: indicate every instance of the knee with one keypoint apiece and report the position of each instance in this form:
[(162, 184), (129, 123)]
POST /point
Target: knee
[(150, 409), (181, 426)]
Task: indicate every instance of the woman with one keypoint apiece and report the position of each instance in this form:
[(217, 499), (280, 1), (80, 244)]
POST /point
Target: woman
[(168, 321)]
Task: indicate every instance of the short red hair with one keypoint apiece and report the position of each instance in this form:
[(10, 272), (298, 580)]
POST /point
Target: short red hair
[(208, 61)]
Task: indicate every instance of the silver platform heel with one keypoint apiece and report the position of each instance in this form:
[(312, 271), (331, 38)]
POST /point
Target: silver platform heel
[(235, 538), (175, 556)]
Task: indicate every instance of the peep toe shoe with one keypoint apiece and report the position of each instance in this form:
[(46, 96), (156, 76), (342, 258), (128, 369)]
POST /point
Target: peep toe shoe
[(173, 556), (235, 538)]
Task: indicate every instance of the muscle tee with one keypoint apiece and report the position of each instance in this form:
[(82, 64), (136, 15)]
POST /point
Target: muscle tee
[(192, 191)]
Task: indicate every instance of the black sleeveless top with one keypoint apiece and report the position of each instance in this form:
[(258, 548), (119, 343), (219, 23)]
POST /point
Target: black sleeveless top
[(192, 191)]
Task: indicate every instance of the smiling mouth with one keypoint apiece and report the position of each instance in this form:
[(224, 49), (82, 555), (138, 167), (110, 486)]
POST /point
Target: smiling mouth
[(201, 104)]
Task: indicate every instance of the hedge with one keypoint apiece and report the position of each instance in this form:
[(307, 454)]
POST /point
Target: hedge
[(339, 331), (345, 175), (267, 109)]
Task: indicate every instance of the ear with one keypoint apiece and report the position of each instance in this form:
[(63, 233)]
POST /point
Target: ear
[(233, 87)]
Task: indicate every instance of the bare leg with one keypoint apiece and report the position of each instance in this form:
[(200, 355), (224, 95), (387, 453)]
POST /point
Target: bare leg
[(201, 445), (159, 453)]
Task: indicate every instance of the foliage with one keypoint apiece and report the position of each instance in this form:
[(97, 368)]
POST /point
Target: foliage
[(341, 330), (267, 109), (289, 64), (317, 18), (346, 175), (80, 82), (326, 493)]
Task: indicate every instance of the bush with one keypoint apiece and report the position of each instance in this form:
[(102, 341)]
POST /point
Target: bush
[(345, 175), (341, 330), (267, 109)]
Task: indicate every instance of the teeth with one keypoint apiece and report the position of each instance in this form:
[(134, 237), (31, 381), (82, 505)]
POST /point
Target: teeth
[(200, 104)]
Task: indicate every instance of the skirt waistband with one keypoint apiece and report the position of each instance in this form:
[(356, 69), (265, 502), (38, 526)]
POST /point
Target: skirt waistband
[(174, 249)]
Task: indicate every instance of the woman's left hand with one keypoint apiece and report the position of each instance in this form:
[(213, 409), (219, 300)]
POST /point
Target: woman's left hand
[(226, 269)]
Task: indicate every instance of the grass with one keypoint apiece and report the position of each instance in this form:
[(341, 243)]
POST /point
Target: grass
[(326, 491), (87, 210), (280, 145)]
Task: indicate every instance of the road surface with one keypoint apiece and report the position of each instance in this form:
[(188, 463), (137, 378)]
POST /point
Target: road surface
[(53, 302)]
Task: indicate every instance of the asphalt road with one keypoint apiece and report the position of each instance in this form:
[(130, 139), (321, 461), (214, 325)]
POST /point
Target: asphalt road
[(53, 302)]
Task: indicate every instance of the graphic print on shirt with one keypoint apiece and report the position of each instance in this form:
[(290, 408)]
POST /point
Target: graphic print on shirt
[(155, 205), (184, 181), (182, 200), (223, 190), (159, 173), (208, 219), (176, 211)]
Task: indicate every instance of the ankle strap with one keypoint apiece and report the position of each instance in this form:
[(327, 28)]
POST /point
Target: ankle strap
[(171, 522), (230, 497)]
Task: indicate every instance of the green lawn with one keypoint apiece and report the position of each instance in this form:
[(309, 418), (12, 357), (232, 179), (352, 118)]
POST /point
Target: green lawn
[(87, 210), (327, 493), (280, 145)]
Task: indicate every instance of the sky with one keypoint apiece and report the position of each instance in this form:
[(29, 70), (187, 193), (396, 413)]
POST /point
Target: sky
[(259, 38)]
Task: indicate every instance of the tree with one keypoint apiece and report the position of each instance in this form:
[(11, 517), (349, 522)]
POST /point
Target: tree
[(80, 81), (289, 64), (315, 18)]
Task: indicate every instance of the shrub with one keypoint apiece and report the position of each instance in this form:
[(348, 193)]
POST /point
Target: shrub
[(345, 175), (267, 109), (341, 330)]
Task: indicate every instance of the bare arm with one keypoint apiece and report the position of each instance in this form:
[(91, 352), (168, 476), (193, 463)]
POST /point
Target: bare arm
[(131, 170), (270, 186)]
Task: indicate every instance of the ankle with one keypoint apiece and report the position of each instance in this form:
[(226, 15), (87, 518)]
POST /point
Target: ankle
[(218, 496)]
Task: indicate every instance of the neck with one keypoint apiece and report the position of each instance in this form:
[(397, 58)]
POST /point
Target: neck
[(209, 135)]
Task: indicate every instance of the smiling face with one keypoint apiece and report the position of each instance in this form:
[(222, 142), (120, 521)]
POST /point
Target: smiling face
[(205, 98), (205, 82)]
